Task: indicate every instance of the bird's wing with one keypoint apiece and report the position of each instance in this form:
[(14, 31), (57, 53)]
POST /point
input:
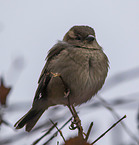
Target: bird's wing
[(45, 76), (54, 51)]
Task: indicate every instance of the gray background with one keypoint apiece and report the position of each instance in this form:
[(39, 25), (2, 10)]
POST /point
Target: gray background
[(29, 28)]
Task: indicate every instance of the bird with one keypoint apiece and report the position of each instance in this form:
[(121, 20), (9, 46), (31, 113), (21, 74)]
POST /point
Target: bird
[(75, 70)]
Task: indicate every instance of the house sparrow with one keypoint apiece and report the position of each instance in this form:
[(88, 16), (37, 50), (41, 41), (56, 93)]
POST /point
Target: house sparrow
[(75, 71)]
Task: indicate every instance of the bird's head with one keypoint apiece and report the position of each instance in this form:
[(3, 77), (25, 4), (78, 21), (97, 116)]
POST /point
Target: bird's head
[(82, 36)]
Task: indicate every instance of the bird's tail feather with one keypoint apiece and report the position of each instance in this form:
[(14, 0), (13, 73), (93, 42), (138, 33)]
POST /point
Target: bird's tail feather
[(29, 119)]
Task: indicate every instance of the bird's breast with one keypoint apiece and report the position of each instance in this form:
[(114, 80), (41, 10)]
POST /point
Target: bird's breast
[(83, 71), (88, 73)]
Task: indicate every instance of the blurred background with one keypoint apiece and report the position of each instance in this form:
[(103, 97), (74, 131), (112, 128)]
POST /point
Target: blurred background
[(29, 28)]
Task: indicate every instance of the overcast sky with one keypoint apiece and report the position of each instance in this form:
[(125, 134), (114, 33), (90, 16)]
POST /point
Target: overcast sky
[(29, 28)]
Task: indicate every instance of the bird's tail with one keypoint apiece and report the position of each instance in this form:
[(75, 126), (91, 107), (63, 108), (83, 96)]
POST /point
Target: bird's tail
[(29, 119)]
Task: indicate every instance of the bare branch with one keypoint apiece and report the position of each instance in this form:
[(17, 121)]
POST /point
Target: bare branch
[(60, 132), (89, 130), (109, 129)]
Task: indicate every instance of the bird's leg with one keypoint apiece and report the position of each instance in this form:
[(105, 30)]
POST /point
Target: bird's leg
[(76, 123), (67, 90)]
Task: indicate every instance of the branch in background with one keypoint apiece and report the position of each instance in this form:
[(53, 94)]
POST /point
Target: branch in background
[(2, 121), (60, 132), (125, 101), (55, 134), (121, 77), (35, 142), (138, 120), (115, 114)]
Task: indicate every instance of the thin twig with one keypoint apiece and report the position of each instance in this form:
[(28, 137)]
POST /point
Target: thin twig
[(115, 114), (89, 130), (124, 76), (108, 130), (138, 120), (35, 142), (55, 134), (58, 130)]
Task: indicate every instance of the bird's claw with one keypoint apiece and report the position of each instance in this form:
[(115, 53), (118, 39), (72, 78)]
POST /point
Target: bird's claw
[(74, 124)]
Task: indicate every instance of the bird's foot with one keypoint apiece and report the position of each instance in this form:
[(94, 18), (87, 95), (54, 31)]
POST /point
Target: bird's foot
[(75, 123)]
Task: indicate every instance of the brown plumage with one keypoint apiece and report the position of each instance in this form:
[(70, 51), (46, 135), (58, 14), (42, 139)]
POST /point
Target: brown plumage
[(83, 67)]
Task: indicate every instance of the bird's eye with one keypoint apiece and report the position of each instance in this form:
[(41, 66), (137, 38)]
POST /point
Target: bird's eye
[(90, 38), (78, 38)]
